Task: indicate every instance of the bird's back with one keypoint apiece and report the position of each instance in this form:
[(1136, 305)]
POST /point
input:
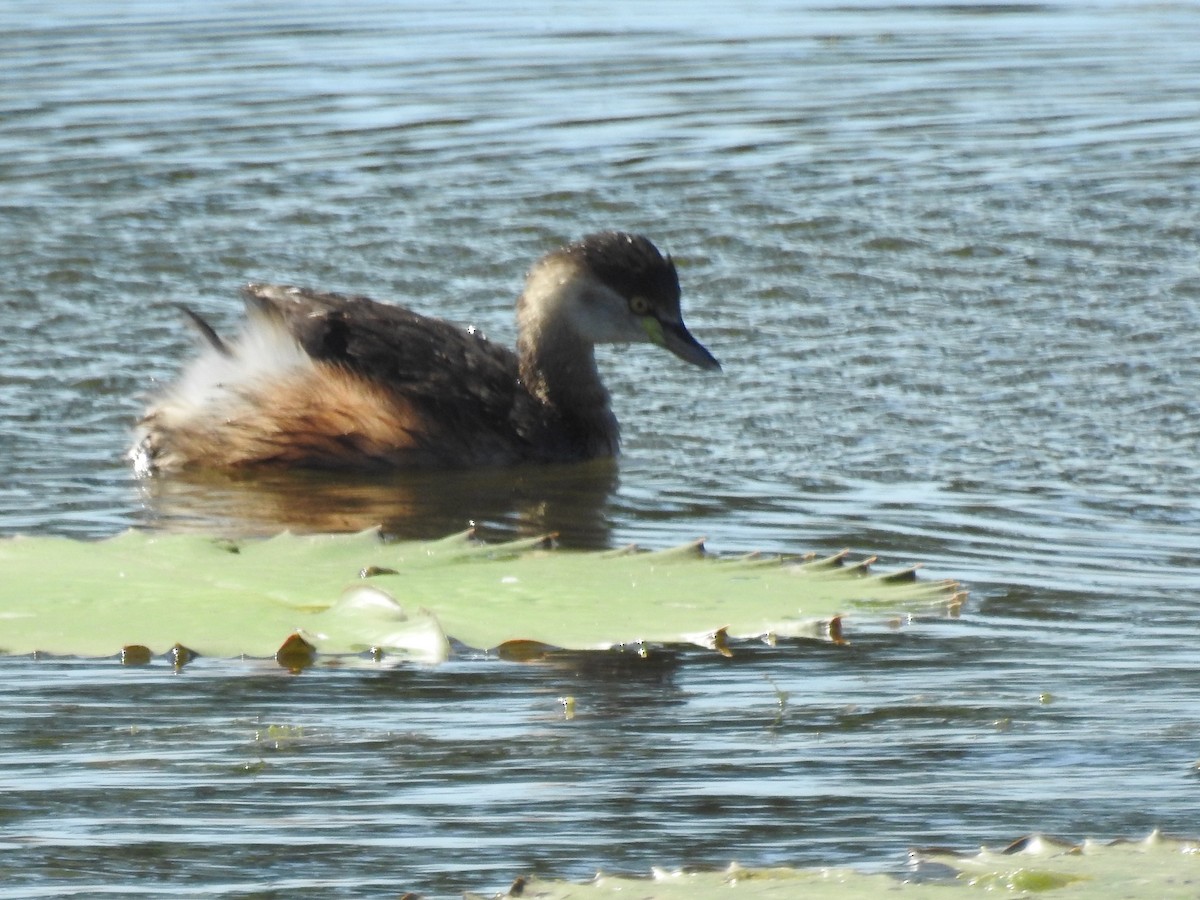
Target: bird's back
[(327, 380)]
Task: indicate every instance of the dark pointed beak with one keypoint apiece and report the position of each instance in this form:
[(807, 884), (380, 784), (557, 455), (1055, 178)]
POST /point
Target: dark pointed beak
[(677, 339)]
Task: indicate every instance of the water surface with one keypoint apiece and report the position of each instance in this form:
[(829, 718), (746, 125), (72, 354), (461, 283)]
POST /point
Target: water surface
[(947, 255)]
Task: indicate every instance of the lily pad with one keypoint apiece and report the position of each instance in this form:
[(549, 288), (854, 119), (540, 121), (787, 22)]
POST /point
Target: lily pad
[(780, 883), (355, 593), (1156, 868)]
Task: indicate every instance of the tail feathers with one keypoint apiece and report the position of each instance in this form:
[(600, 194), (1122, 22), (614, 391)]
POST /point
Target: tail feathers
[(206, 331), (322, 417)]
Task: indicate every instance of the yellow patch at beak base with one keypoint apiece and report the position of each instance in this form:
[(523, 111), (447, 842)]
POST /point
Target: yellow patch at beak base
[(654, 330)]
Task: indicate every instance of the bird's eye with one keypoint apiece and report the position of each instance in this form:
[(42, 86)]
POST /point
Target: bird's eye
[(639, 306)]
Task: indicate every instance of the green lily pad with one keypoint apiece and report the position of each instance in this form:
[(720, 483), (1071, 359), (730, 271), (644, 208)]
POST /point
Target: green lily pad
[(353, 593), (780, 883), (1156, 868)]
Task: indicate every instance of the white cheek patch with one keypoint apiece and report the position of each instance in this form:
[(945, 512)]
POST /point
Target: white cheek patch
[(602, 316)]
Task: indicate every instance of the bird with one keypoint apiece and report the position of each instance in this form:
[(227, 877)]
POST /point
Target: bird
[(322, 380)]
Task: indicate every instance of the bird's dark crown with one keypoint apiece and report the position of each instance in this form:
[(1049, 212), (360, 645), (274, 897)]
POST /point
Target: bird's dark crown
[(628, 263)]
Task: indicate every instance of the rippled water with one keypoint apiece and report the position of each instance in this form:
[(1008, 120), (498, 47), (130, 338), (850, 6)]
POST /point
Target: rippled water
[(948, 256)]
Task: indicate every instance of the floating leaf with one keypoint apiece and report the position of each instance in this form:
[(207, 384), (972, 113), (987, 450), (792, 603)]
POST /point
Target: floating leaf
[(756, 884), (1156, 868), (354, 593), (136, 655)]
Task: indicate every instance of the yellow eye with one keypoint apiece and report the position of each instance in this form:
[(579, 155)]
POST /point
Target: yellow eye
[(639, 306)]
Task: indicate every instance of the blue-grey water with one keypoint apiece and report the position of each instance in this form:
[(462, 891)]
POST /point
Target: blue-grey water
[(948, 255)]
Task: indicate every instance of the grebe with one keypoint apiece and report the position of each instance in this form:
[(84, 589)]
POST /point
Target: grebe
[(324, 380)]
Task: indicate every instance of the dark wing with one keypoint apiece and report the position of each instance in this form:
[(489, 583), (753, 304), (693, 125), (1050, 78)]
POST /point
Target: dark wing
[(460, 380)]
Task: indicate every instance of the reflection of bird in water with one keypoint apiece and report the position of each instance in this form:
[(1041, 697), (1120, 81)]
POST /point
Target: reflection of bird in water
[(324, 380), (504, 503)]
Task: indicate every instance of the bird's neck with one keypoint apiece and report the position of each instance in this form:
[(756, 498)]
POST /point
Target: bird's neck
[(558, 365)]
